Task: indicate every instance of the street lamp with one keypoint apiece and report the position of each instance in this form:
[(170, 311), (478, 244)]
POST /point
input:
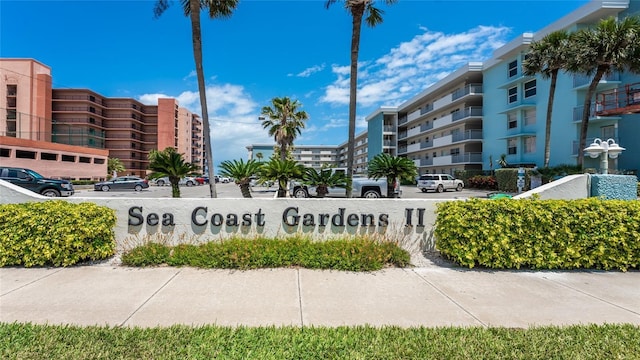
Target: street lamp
[(606, 149)]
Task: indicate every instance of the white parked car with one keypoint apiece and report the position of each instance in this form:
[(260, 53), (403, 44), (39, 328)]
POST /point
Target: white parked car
[(439, 183), (188, 181)]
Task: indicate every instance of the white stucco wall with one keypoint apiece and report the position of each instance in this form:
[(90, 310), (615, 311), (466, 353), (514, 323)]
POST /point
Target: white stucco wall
[(407, 221)]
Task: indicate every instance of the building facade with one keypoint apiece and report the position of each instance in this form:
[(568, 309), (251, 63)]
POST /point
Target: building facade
[(83, 119)]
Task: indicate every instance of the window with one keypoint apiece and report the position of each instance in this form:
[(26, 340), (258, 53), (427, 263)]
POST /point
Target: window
[(5, 152), (529, 144), (530, 88), (512, 121), (12, 90), (512, 146), (84, 159), (68, 158), (92, 120), (513, 68), (48, 156), (455, 151), (530, 117), (512, 95), (98, 161), (608, 132), (23, 154)]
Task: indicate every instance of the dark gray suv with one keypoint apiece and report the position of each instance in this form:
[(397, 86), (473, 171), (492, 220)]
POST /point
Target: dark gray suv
[(35, 182)]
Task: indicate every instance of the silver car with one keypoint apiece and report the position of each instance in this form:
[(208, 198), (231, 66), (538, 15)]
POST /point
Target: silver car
[(439, 183)]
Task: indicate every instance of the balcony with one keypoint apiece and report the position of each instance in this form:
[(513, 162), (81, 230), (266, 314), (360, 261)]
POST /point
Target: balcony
[(577, 114), (402, 120), (467, 90), (583, 81), (457, 159), (467, 135), (471, 111)]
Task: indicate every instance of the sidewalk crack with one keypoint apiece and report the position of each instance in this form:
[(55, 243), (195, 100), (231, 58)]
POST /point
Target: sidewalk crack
[(300, 298), (149, 298)]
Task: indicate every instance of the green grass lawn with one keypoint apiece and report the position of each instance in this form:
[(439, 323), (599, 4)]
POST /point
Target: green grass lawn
[(27, 341)]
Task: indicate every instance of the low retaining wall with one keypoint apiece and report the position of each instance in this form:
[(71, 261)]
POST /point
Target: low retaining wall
[(407, 221)]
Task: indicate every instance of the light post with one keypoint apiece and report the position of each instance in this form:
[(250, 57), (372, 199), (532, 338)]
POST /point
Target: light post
[(606, 149)]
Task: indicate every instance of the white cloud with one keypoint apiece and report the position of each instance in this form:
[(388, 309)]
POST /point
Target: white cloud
[(233, 118), (413, 66), (309, 71)]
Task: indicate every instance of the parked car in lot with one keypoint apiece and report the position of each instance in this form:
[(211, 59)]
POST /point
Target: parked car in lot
[(439, 183), (35, 182), (362, 187), (122, 183), (164, 181)]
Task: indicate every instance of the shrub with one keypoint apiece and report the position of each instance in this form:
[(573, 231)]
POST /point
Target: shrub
[(360, 254), (541, 234), (56, 232), (482, 182)]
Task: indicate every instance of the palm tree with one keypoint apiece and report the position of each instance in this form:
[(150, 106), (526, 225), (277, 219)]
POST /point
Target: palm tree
[(259, 156), (394, 168), (284, 122), (281, 171), (609, 46), (191, 8), (242, 172), (323, 179), (169, 163), (547, 57), (114, 165), (357, 8)]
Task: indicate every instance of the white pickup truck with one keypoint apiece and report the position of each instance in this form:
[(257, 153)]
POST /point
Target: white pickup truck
[(362, 187)]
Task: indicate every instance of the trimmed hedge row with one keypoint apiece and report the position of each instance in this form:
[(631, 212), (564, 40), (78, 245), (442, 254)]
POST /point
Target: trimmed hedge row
[(55, 233), (540, 234)]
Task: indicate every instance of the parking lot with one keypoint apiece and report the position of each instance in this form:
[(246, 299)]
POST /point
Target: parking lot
[(232, 190)]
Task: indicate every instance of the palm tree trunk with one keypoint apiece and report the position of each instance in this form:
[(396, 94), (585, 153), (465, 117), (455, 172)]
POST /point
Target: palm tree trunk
[(357, 11), (586, 113), (197, 55), (547, 131), (245, 190)]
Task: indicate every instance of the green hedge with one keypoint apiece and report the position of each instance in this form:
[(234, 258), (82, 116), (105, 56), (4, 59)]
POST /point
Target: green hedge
[(540, 234), (55, 233)]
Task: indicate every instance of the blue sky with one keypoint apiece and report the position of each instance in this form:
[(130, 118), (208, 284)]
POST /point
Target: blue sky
[(266, 49)]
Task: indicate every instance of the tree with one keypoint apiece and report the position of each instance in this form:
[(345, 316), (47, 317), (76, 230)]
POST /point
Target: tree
[(114, 165), (323, 179), (259, 156), (609, 46), (281, 171), (191, 8), (357, 8), (394, 168), (169, 163), (547, 57), (242, 172), (284, 122)]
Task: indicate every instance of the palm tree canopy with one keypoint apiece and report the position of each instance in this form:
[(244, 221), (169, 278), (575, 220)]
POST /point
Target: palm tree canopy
[(279, 170), (610, 46), (373, 14), (324, 177), (240, 170), (392, 167), (547, 55), (114, 164), (169, 163), (216, 8), (284, 121)]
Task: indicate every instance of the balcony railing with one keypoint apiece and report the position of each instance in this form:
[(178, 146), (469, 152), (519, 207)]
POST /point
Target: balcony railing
[(402, 119), (467, 112), (469, 89), (467, 135), (581, 80), (466, 158)]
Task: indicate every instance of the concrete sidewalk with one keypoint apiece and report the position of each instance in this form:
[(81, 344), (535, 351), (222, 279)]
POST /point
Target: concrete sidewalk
[(429, 296)]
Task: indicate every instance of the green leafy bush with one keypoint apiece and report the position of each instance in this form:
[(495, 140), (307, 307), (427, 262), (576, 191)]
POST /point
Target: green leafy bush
[(360, 254), (541, 234), (55, 233)]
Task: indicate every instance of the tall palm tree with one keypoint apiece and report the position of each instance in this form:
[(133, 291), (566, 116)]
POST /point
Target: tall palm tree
[(114, 165), (609, 46), (358, 9), (547, 57), (284, 122), (281, 171), (191, 8), (394, 168), (169, 163), (242, 172)]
